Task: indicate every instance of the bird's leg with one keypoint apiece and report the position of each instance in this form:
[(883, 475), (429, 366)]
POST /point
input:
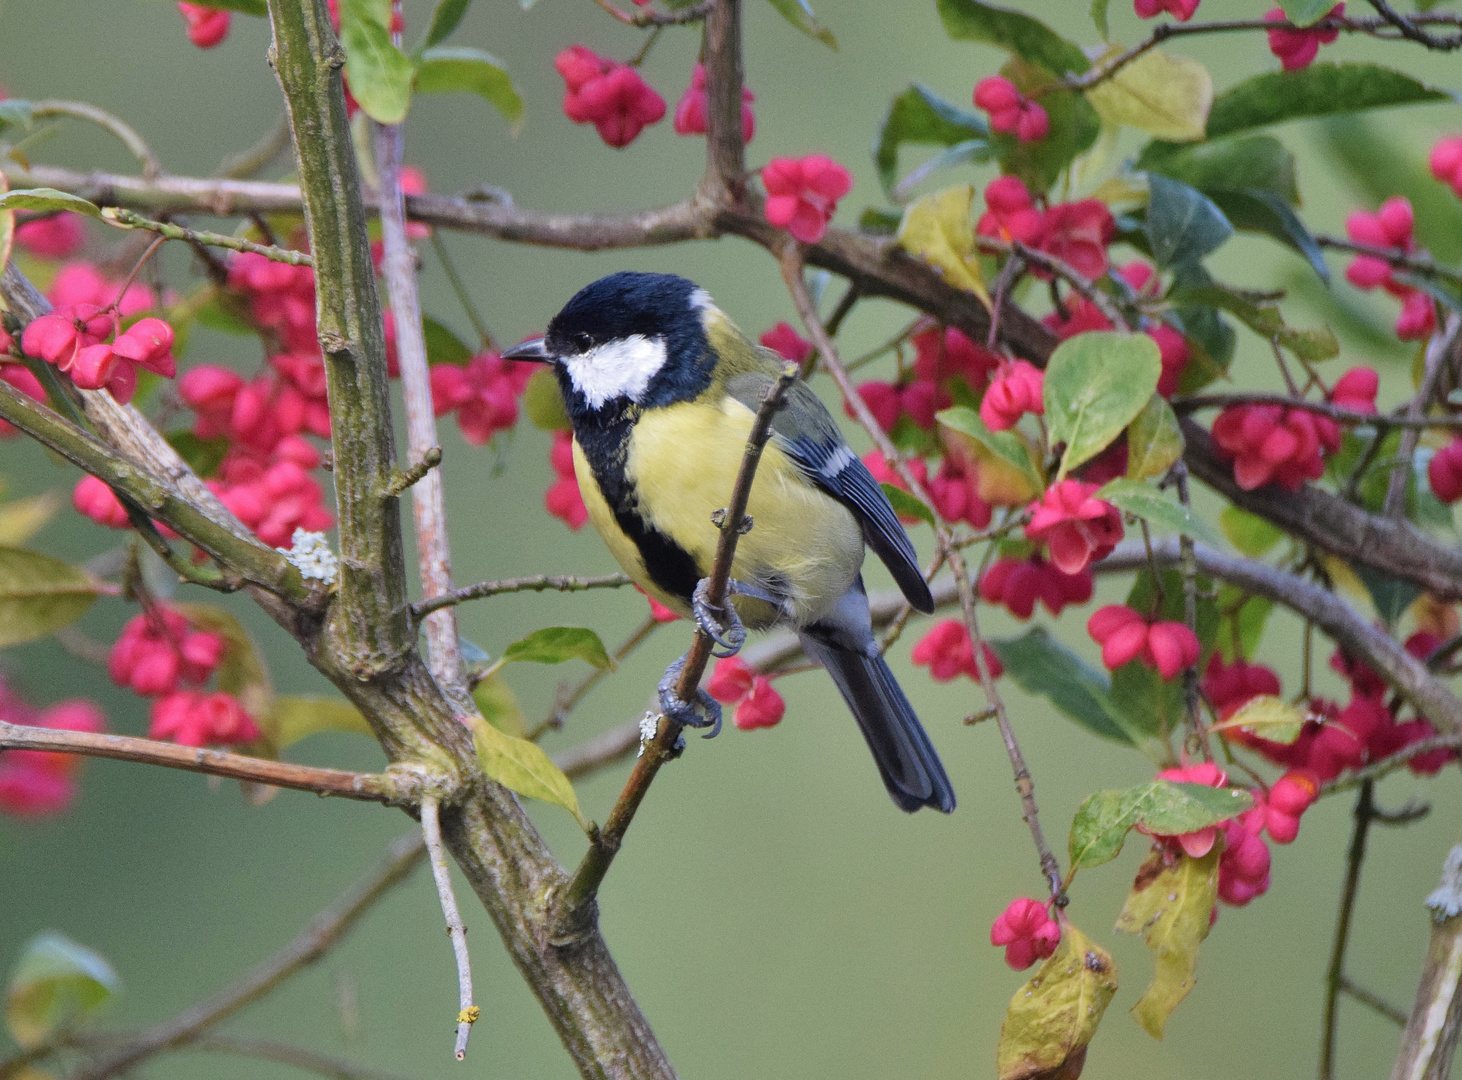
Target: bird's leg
[(708, 618), (705, 711)]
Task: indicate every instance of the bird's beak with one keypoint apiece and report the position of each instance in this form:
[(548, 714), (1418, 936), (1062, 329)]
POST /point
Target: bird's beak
[(532, 350)]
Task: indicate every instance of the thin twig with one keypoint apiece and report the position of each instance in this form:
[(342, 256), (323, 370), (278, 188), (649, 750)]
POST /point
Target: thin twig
[(568, 699), (1380, 421), (1063, 270), (81, 110), (1375, 1001), (129, 219), (1424, 265), (460, 288), (532, 583), (468, 1012), (284, 1054), (255, 159), (1387, 765), (578, 895), (324, 931), (1438, 352), (1410, 30), (1336, 971)]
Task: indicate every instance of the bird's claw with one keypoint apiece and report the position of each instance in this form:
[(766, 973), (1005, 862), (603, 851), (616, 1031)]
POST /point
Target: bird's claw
[(731, 634), (704, 711)]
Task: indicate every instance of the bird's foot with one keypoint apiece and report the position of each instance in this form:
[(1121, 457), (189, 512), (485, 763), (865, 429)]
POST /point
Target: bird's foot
[(703, 712), (731, 634)]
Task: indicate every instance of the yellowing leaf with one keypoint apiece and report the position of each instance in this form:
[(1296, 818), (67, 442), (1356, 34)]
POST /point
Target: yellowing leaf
[(1007, 473), (1171, 907), (1053, 1017), (524, 767), (497, 702), (1267, 717), (53, 986), (39, 594), (294, 717), (939, 229), (20, 519), (543, 402), (1166, 96), (1154, 440)]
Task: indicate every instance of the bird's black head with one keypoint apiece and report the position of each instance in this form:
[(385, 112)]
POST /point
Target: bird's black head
[(631, 339)]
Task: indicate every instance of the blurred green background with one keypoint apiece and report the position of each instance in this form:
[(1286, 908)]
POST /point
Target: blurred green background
[(773, 912)]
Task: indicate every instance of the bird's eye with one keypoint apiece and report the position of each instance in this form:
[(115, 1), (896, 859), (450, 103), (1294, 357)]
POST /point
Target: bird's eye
[(582, 342)]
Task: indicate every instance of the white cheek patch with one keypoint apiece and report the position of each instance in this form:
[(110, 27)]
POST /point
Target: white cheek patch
[(617, 369)]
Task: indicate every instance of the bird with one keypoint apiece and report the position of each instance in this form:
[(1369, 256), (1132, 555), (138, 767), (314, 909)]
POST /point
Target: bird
[(661, 389)]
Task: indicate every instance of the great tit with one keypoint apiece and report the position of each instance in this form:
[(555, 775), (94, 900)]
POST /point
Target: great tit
[(661, 389)]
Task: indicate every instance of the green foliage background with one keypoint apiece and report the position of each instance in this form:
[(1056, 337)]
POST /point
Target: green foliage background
[(775, 915)]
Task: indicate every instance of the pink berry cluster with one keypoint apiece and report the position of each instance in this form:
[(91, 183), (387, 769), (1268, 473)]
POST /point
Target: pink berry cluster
[(563, 499), (161, 655), (87, 343), (1392, 226), (483, 393), (1076, 527), (690, 111), (1182, 10), (207, 27), (51, 236), (944, 360), (1019, 583), (758, 705), (1297, 49), (1011, 112), (36, 783), (946, 650), (803, 194), (1026, 931), (1015, 389), (954, 489), (1078, 232), (1126, 635)]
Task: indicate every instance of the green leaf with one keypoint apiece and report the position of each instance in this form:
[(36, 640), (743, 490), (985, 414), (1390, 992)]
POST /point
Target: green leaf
[(1154, 440), (499, 706), (1041, 665), (1305, 12), (445, 18), (380, 74), (1074, 127), (1053, 1017), (39, 595), (939, 229), (1264, 319), (1099, 18), (54, 985), (1171, 906), (259, 8), (906, 505), (1166, 96), (16, 112), (46, 199), (1095, 385), (556, 644), (294, 717), (1318, 90), (241, 672), (1183, 225), (203, 456), (1159, 806), (444, 69), (1266, 717), (799, 14), (1004, 455), (1250, 534), (1155, 508), (20, 519), (1240, 163), (1242, 619), (1019, 34), (1146, 706), (1390, 595), (1265, 212), (442, 345), (524, 767), (921, 117)]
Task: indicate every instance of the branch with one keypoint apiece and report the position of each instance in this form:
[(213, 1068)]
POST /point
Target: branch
[(324, 931), (1335, 973), (1374, 1001), (577, 899), (467, 1012), (284, 1054), (1440, 354), (1430, 1039), (725, 143), (1397, 257), (534, 583), (1387, 765), (130, 219), (370, 787)]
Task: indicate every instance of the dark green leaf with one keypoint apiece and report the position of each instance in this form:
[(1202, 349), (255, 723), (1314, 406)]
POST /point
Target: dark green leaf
[(1244, 162), (1265, 320), (1318, 90), (1019, 34), (499, 706), (203, 456), (1183, 225), (555, 644), (444, 19), (1160, 806), (47, 199), (1304, 12), (1095, 385), (1265, 212), (444, 69), (53, 986), (878, 222), (380, 74), (1041, 665), (1011, 451), (1074, 127), (258, 8), (1152, 506), (906, 506), (442, 345), (1146, 705), (1391, 595), (39, 595), (921, 117), (799, 14), (1154, 440)]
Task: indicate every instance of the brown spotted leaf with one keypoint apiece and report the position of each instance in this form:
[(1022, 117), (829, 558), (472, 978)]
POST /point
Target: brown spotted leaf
[(1053, 1017)]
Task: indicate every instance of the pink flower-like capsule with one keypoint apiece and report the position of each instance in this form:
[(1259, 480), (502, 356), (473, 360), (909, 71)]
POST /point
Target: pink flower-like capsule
[(1292, 794), (803, 194), (1232, 686), (95, 500), (1269, 443), (1444, 472), (607, 94), (20, 377), (1356, 390), (1015, 390), (192, 718), (1124, 635), (1075, 526), (1199, 842), (690, 111), (54, 236), (1010, 213), (1078, 234), (1027, 931), (943, 354), (1445, 163), (947, 652), (782, 339), (57, 336), (1182, 10), (563, 499), (1297, 49), (1173, 351), (1019, 583), (955, 493), (207, 27), (1243, 868), (78, 284), (1011, 112), (149, 343), (1392, 226), (757, 702), (1418, 318)]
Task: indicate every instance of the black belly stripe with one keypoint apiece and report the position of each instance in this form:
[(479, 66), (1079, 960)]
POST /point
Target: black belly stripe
[(604, 439)]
